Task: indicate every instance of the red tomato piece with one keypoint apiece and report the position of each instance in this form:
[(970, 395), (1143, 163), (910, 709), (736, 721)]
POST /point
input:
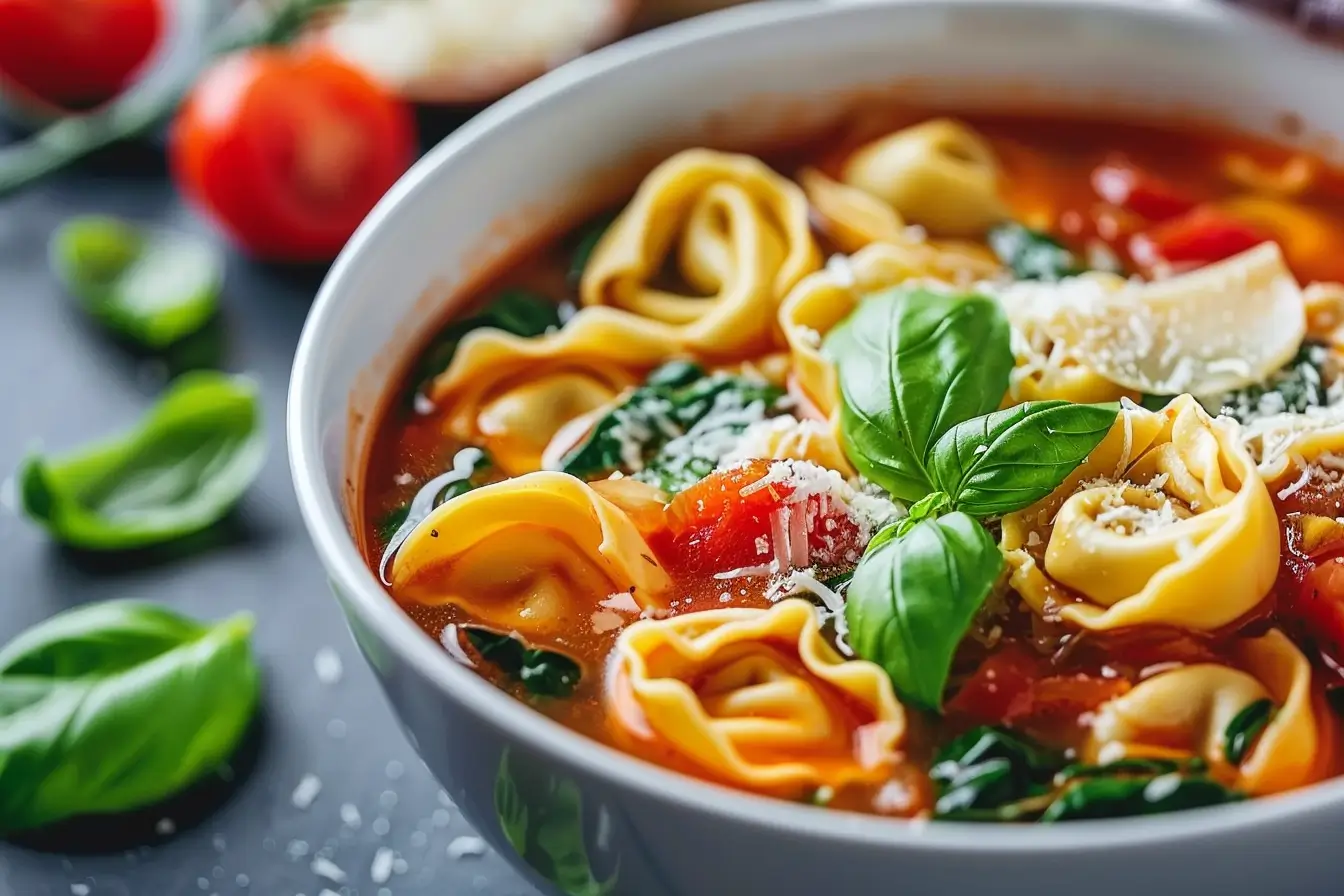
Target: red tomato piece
[(1063, 698), (1200, 237), (1312, 607), (1127, 186), (288, 150), (731, 519), (76, 53), (999, 683)]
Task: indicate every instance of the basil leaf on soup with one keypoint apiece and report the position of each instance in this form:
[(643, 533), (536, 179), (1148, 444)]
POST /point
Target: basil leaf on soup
[(1117, 797), (1010, 459), (543, 673), (913, 599), (114, 706), (180, 470), (151, 286), (672, 431), (1245, 728), (911, 364), (517, 311), (469, 465), (1033, 254)]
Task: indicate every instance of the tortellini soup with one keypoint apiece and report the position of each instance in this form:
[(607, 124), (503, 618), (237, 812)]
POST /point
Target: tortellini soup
[(955, 467)]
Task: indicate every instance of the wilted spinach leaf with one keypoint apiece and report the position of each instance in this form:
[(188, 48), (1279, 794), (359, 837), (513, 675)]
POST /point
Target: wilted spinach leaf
[(1117, 797), (1299, 385), (1033, 255), (544, 673), (672, 430), (468, 466), (1247, 725)]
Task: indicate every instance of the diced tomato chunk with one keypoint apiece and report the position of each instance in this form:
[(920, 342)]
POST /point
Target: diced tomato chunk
[(1200, 237), (753, 514), (1063, 698), (1311, 607), (1125, 185), (1016, 686)]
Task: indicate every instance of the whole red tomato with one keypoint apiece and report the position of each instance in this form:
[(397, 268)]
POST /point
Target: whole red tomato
[(289, 149), (76, 53)]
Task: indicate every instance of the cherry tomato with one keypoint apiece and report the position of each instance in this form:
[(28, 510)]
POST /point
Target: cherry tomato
[(76, 53), (289, 149), (1197, 238), (1128, 186), (731, 520)]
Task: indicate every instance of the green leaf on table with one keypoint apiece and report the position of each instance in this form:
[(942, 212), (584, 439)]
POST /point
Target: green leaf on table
[(517, 311), (1032, 254), (179, 471), (1246, 726), (114, 706), (544, 673), (672, 431), (914, 597), (154, 287), (912, 364), (1011, 459)]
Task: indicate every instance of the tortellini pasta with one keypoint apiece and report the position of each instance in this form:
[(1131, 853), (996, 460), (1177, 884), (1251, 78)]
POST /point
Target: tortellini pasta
[(511, 395), (1187, 711), (1047, 371), (939, 174), (1167, 522), (534, 554), (742, 240), (756, 698)]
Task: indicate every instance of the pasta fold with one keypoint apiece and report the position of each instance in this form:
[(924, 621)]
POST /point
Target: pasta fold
[(742, 239), (1166, 522), (534, 554), (756, 698), (1187, 711), (510, 395), (939, 174)]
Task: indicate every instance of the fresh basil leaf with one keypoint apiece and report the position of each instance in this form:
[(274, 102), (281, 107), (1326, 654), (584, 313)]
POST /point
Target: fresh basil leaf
[(115, 706), (930, 506), (589, 237), (1245, 727), (469, 465), (913, 599), (912, 364), (1032, 254), (544, 673), (179, 471), (1011, 459), (152, 286), (517, 311), (1120, 797), (670, 432)]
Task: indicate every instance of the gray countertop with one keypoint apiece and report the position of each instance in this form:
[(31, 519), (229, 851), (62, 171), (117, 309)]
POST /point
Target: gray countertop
[(63, 381)]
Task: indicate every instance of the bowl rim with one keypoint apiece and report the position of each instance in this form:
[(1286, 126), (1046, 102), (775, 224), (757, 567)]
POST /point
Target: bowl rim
[(367, 599)]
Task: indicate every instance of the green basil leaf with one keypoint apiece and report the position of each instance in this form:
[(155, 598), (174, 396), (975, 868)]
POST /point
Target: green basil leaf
[(912, 364), (517, 311), (544, 673), (152, 286), (180, 470), (1245, 727), (116, 706), (1011, 459), (671, 431), (1120, 797), (913, 599), (930, 506), (469, 465), (1032, 254)]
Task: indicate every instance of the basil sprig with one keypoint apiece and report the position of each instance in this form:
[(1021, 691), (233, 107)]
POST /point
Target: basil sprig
[(921, 375), (544, 673), (151, 286), (178, 472), (1011, 459), (913, 363), (989, 774), (1246, 726), (115, 706), (913, 598)]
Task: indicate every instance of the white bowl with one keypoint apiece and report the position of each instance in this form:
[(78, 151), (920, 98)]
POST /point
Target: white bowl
[(532, 161)]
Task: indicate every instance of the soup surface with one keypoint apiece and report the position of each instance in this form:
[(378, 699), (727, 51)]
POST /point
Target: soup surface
[(976, 468)]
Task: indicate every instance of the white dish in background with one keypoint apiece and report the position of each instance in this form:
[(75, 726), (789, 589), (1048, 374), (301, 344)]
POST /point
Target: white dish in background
[(733, 77)]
